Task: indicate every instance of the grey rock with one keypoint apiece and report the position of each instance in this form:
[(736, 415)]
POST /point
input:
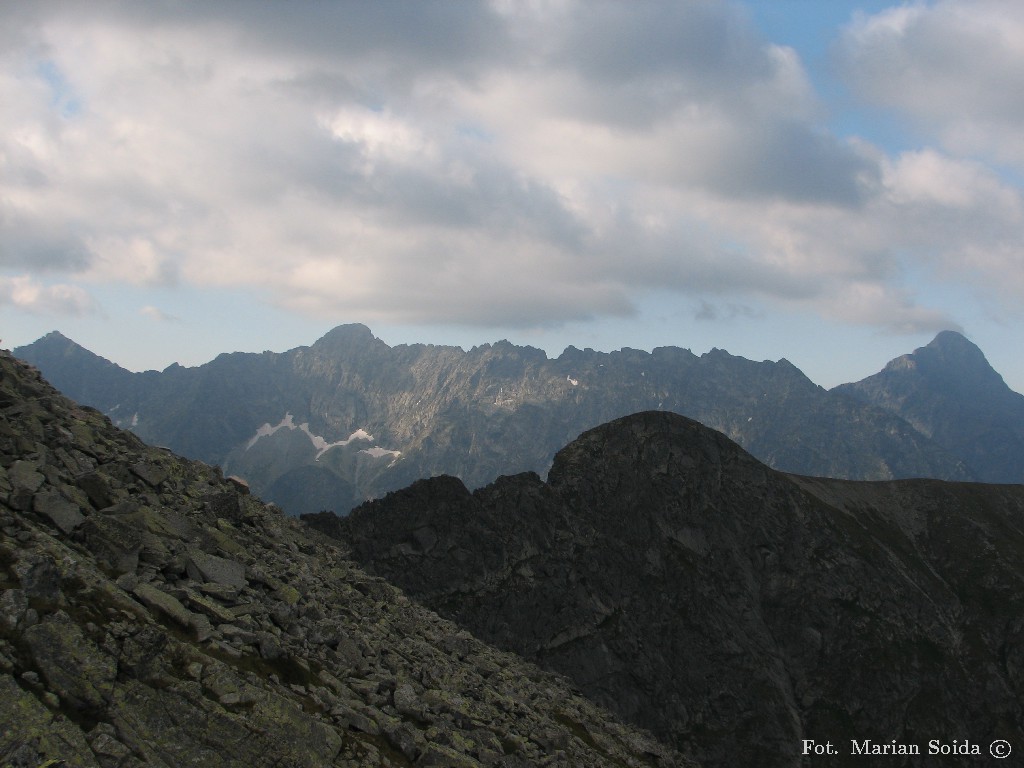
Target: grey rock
[(114, 543), (65, 514), (149, 473), (98, 490), (219, 570), (24, 476), (74, 668), (163, 603), (41, 580), (13, 604)]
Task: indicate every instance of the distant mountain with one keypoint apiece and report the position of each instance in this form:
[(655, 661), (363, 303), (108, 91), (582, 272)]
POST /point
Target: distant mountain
[(734, 610), (154, 614), (350, 418), (948, 391)]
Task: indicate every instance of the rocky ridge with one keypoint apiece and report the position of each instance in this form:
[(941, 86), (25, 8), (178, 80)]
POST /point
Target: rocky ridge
[(153, 613), (733, 609), (388, 416)]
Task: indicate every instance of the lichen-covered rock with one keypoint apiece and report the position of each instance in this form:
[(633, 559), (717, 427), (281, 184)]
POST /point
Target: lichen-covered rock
[(73, 667), (219, 570)]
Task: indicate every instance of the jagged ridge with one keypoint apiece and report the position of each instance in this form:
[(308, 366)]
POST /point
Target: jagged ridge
[(733, 609), (496, 409)]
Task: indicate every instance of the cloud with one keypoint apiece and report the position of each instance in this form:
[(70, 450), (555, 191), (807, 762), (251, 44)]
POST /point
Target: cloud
[(951, 66), (157, 314), (26, 294), (498, 164)]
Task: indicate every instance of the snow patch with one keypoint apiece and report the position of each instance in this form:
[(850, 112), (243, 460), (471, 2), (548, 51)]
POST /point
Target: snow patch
[(571, 380), (321, 445), (378, 453)]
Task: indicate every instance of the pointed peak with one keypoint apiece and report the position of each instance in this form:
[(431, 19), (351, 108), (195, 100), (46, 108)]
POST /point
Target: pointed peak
[(53, 342), (954, 347), (55, 337), (953, 359), (348, 335), (952, 340)]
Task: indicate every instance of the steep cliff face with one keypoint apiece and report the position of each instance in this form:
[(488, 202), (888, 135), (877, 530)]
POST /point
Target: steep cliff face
[(948, 391), (352, 418), (735, 610), (153, 613)]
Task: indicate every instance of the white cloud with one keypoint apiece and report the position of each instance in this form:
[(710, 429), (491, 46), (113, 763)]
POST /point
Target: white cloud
[(953, 66), (513, 164), (24, 293), (157, 314)]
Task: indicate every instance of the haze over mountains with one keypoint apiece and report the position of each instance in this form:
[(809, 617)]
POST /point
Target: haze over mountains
[(350, 418)]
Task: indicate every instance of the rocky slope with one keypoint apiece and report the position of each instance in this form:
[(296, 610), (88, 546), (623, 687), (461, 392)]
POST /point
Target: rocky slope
[(349, 418), (733, 609), (154, 614), (948, 391)]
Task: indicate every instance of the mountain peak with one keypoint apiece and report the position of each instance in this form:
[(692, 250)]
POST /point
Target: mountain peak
[(954, 345), (348, 336), (949, 392), (658, 443), (54, 340), (953, 359)]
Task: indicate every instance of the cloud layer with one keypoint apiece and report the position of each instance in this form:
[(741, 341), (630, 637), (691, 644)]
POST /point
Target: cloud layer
[(501, 164)]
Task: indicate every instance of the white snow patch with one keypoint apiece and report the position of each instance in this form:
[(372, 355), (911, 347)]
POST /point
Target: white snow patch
[(359, 434), (266, 430), (571, 380), (378, 453), (321, 445), (135, 419)]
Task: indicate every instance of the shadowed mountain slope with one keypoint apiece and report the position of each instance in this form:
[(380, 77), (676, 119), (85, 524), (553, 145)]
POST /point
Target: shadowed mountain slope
[(948, 391), (352, 417), (154, 614), (733, 609)]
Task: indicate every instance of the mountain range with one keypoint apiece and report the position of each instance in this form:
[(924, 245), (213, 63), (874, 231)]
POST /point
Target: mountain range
[(349, 418)]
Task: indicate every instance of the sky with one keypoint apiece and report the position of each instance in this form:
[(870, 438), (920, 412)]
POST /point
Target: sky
[(828, 182)]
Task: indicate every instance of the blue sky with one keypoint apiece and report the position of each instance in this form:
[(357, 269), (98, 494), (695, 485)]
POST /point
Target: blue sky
[(828, 182)]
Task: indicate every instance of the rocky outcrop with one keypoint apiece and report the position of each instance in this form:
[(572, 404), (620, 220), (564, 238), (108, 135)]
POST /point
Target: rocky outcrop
[(734, 610), (153, 613), (349, 418)]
